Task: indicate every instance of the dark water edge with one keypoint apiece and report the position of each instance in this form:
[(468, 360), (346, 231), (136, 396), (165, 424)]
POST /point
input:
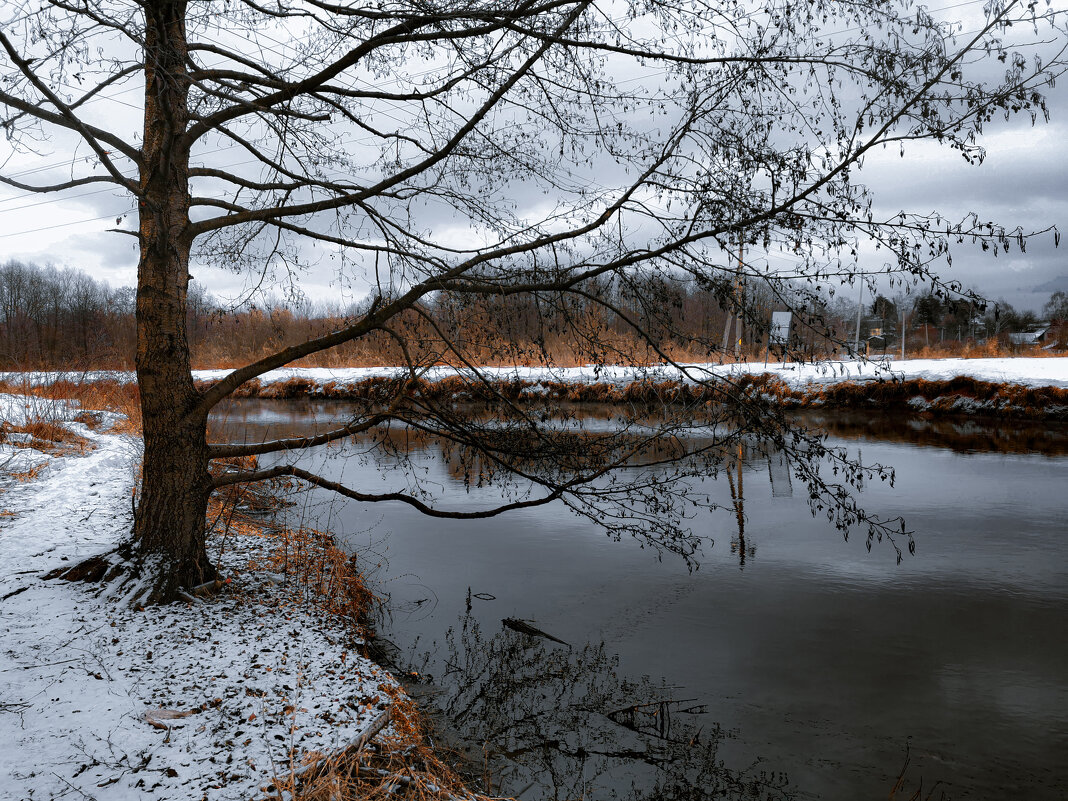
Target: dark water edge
[(812, 658)]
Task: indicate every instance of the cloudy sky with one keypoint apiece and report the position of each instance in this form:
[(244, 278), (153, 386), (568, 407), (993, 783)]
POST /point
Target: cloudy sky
[(1023, 182)]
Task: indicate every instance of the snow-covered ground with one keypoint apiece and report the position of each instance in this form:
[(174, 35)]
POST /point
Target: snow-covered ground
[(211, 700), (1029, 371)]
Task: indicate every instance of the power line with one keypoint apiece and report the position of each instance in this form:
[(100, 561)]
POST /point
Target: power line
[(66, 224)]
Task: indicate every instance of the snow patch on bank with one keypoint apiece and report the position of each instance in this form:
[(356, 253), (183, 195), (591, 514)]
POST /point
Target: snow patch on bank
[(1050, 371), (1025, 371), (206, 700)]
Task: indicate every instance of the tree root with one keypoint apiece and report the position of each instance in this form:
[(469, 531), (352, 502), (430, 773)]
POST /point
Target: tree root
[(128, 574), (100, 568), (136, 581)]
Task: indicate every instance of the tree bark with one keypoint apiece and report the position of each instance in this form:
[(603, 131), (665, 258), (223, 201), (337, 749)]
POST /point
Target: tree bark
[(169, 528)]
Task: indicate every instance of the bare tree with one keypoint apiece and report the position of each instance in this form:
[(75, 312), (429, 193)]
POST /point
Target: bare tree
[(582, 149), (53, 319)]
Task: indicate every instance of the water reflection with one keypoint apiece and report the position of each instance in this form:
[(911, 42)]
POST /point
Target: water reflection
[(260, 420), (560, 722), (963, 435), (818, 657)]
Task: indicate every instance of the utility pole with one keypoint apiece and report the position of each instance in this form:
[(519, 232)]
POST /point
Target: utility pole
[(727, 331), (902, 329), (860, 308), (741, 299)]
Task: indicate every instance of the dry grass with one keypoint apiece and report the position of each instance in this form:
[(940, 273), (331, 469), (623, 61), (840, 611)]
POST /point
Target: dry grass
[(970, 349), (23, 476), (398, 763), (112, 396), (943, 396), (49, 436), (1010, 400), (46, 426)]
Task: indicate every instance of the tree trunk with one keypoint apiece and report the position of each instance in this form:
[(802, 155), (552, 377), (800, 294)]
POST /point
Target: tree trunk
[(169, 523)]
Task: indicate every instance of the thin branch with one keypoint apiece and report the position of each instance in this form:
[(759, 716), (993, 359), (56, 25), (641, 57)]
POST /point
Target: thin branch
[(68, 119), (219, 451), (76, 182), (342, 201)]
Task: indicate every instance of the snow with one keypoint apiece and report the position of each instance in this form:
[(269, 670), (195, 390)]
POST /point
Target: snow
[(206, 700), (1050, 371), (1031, 371), (17, 410)]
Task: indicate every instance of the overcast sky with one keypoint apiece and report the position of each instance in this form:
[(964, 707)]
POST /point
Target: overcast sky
[(1023, 181)]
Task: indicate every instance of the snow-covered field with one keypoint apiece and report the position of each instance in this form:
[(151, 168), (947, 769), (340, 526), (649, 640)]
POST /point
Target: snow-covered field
[(1028, 371), (212, 699)]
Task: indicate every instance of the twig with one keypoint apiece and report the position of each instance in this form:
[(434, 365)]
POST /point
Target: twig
[(357, 744), (13, 593), (34, 667)]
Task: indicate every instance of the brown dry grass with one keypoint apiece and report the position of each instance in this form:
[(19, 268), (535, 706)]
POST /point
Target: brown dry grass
[(399, 763), (49, 436), (989, 349), (23, 476), (112, 396), (46, 424), (943, 397), (1008, 400)]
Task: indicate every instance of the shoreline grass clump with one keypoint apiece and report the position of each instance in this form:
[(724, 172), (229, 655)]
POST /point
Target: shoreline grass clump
[(397, 758)]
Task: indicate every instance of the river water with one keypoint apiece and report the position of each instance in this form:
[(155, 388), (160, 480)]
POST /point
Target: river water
[(815, 665)]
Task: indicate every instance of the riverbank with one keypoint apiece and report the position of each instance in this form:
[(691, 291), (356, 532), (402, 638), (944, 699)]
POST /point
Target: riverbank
[(257, 690), (1025, 387)]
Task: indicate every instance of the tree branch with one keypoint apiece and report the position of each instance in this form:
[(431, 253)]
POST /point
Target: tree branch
[(416, 169), (66, 118), (340, 489)]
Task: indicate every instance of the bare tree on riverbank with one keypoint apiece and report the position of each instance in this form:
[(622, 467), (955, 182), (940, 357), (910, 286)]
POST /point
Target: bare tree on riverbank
[(541, 154)]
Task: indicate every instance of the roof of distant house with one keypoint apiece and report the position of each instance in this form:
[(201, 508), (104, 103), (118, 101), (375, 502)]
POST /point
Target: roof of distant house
[(1028, 337)]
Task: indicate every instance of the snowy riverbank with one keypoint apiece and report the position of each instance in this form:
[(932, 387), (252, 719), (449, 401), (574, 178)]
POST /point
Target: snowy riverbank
[(222, 698), (1023, 371)]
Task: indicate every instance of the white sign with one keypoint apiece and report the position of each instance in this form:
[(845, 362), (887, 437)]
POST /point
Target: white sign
[(780, 327)]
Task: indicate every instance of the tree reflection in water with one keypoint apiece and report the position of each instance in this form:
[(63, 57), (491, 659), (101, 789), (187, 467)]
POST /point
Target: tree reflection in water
[(557, 722)]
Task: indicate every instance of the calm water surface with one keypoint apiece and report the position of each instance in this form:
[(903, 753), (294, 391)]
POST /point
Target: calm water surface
[(820, 659)]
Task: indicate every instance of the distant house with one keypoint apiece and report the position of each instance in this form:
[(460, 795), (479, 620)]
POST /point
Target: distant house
[(1035, 336)]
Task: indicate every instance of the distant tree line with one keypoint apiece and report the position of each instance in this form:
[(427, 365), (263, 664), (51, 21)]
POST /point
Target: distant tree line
[(938, 322), (52, 318)]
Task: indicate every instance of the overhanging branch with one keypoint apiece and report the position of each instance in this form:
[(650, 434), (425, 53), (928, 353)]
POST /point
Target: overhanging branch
[(364, 497)]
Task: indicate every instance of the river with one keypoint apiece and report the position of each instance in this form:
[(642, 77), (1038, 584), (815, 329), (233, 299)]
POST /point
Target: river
[(812, 665)]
